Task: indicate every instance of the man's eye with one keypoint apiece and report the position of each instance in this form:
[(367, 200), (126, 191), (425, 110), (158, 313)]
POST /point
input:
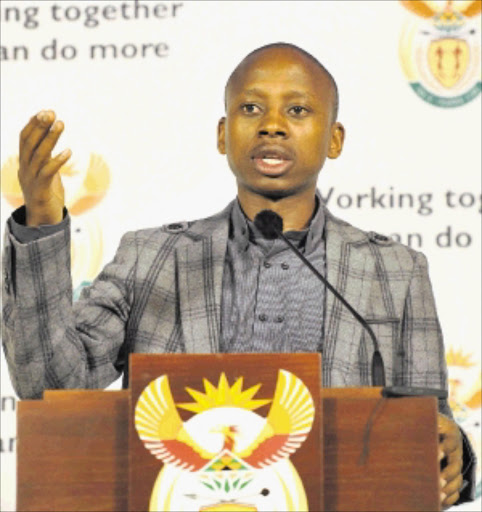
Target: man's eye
[(298, 110), (250, 108)]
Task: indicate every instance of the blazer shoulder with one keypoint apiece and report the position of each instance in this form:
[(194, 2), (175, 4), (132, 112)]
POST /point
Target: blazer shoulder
[(381, 244), (184, 231)]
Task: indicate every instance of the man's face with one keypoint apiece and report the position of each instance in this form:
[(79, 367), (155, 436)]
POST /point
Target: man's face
[(278, 128)]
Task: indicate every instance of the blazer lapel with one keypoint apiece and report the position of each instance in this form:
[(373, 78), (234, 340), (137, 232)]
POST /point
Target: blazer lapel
[(350, 269), (200, 266)]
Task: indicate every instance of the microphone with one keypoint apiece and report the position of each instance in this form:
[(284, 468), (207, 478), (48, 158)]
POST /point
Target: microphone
[(270, 224)]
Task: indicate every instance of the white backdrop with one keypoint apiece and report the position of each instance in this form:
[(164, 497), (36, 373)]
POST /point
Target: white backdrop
[(152, 121)]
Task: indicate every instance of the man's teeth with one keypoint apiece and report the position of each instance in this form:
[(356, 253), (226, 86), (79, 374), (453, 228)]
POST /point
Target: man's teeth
[(272, 161)]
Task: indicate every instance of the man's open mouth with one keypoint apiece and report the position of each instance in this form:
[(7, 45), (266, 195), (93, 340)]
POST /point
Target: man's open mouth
[(272, 161)]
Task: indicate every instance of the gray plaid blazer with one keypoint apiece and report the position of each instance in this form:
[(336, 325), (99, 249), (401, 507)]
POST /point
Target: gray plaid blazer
[(162, 293)]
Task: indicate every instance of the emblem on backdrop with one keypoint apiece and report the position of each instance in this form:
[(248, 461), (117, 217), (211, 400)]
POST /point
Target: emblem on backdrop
[(226, 457), (440, 50), (84, 190)]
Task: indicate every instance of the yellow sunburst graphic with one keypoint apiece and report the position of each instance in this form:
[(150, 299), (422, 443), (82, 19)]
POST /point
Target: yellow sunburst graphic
[(428, 8), (457, 357), (223, 395), (464, 382)]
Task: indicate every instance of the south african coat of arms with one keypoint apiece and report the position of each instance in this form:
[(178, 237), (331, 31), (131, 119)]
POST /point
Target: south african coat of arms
[(440, 51), (226, 457)]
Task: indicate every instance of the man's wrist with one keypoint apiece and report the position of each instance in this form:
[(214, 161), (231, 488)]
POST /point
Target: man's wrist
[(25, 234), (35, 220)]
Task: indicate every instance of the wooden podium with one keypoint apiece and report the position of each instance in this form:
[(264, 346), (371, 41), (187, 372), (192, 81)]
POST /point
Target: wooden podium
[(82, 450)]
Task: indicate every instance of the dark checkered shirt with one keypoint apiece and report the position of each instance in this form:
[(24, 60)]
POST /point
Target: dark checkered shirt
[(271, 302)]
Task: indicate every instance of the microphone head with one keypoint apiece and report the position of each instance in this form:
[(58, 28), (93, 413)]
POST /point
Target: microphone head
[(269, 223)]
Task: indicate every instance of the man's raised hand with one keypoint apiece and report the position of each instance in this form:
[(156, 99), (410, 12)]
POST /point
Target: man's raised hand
[(38, 172)]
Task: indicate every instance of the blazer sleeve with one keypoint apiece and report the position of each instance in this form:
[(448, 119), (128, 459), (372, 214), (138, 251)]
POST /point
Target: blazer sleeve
[(49, 342), (424, 355)]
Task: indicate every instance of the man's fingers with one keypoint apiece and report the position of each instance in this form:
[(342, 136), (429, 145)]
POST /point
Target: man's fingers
[(453, 485), (444, 424), (33, 123), (448, 501), (27, 129), (451, 479), (34, 135), (451, 491), (452, 472), (53, 165), (449, 435), (450, 456), (453, 469), (44, 150), (451, 443)]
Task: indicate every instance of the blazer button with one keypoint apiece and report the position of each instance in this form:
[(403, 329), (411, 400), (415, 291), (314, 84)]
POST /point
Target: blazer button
[(177, 227), (379, 239)]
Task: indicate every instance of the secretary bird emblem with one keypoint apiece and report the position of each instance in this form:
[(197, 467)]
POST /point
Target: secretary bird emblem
[(226, 457)]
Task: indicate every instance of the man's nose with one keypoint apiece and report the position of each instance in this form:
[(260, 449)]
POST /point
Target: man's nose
[(273, 125)]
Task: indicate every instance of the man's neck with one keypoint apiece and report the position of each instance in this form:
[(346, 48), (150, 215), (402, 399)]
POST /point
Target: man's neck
[(296, 210)]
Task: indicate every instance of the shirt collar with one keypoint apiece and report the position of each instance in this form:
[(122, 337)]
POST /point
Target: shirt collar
[(244, 232)]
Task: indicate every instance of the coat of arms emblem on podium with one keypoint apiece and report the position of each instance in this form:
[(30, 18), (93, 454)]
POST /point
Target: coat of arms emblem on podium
[(226, 457)]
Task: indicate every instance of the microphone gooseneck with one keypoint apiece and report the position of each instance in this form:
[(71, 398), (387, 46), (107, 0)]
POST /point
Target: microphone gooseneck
[(270, 224)]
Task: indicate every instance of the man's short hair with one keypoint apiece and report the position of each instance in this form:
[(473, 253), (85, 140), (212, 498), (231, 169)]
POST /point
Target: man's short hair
[(299, 50)]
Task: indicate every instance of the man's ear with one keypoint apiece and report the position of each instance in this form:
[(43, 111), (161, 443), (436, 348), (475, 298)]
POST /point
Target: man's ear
[(222, 136), (337, 139)]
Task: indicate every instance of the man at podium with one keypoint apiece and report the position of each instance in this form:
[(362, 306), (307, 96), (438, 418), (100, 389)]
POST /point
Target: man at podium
[(218, 284)]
